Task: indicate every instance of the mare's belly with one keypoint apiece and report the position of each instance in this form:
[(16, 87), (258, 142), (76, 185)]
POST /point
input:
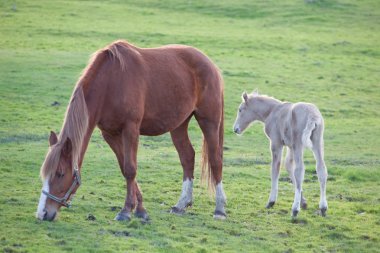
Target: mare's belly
[(162, 123)]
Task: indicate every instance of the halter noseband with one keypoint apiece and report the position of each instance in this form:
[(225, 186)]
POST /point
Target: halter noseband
[(65, 200)]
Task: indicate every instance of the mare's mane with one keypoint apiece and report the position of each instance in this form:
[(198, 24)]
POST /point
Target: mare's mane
[(76, 119)]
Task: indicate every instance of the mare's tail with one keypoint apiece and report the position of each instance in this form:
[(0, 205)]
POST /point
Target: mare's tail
[(207, 173)]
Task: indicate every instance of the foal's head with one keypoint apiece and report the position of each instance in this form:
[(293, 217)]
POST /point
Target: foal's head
[(246, 113), (60, 179)]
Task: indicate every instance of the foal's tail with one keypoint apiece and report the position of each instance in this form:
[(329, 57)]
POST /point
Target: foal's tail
[(311, 124), (207, 172)]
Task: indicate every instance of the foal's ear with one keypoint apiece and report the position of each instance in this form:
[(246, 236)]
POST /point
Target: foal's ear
[(255, 92), (244, 96), (53, 139), (67, 147)]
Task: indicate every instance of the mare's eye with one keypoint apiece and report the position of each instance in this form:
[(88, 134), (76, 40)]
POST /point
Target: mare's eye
[(60, 174)]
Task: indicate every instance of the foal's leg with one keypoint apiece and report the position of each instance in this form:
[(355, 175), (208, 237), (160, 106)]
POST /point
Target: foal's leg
[(116, 144), (276, 162), (299, 176), (317, 140), (186, 155), (210, 131), (289, 165)]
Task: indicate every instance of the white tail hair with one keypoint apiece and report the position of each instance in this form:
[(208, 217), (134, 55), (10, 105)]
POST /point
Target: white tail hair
[(311, 124)]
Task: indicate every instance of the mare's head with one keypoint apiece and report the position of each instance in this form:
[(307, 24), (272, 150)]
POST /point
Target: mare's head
[(60, 179), (246, 113)]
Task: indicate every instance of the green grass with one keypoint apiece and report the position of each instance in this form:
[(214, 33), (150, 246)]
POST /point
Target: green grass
[(327, 53)]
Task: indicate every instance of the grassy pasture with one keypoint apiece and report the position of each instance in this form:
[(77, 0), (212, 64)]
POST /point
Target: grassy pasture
[(327, 53)]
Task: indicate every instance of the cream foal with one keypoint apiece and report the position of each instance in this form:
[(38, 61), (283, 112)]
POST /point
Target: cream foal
[(295, 126)]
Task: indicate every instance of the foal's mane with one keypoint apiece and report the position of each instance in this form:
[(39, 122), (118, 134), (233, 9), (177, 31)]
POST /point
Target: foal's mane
[(75, 123)]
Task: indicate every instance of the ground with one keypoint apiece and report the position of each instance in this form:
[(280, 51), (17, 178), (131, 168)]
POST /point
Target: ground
[(323, 52)]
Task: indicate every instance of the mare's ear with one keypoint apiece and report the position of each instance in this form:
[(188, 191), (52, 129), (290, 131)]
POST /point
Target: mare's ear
[(67, 147), (53, 139), (255, 92), (244, 96)]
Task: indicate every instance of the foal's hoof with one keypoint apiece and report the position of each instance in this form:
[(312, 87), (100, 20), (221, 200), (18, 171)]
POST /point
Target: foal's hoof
[(219, 215), (177, 210), (304, 205), (295, 213), (123, 216), (270, 204), (323, 211), (143, 215)]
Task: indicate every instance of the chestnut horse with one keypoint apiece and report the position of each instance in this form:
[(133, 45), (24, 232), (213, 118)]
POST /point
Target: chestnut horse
[(126, 91)]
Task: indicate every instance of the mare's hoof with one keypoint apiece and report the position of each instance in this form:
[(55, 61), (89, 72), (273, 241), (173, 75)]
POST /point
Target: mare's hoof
[(123, 216), (295, 213), (177, 211), (142, 215), (304, 205), (323, 211), (270, 204), (218, 215)]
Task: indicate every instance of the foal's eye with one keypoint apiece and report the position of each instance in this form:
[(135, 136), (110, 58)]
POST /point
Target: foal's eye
[(239, 109)]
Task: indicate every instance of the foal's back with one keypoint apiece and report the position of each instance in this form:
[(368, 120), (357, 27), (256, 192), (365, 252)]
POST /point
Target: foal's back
[(290, 121)]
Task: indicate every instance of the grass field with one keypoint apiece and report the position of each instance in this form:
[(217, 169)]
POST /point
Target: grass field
[(326, 52)]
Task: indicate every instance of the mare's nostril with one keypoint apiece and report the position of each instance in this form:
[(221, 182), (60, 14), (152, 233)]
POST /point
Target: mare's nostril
[(45, 215)]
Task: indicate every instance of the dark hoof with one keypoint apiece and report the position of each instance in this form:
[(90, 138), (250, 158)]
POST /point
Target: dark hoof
[(304, 205), (177, 211), (270, 204), (323, 212), (142, 215), (218, 215), (123, 216), (294, 213)]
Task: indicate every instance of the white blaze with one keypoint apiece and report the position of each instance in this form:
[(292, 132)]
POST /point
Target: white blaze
[(41, 205)]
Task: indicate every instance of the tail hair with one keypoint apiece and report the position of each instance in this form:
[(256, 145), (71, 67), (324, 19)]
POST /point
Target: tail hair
[(311, 124), (207, 174)]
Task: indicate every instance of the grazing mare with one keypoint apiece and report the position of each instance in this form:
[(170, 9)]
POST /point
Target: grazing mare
[(295, 126), (126, 91)]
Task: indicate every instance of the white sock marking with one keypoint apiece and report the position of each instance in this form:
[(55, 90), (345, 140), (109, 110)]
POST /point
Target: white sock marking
[(186, 195)]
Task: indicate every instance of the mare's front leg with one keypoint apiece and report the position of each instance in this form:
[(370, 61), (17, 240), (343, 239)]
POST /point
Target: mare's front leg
[(130, 136), (299, 173), (276, 162), (186, 154), (116, 144)]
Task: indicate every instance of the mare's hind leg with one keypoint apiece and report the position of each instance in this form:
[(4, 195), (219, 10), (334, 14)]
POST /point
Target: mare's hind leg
[(276, 162), (289, 165), (210, 129), (317, 140), (186, 154)]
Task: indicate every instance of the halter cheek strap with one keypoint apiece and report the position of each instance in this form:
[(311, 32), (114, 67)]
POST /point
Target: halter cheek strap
[(65, 201)]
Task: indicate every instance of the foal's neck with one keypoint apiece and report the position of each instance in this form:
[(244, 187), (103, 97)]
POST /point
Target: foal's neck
[(264, 106)]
